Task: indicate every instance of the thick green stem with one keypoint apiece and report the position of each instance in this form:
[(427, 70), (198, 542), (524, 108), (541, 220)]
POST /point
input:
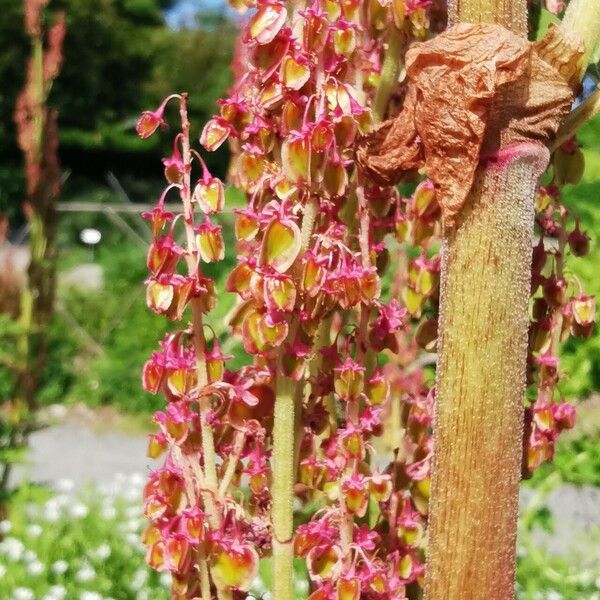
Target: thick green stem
[(478, 429), (282, 514), (480, 385), (389, 72), (286, 422), (511, 14), (582, 19)]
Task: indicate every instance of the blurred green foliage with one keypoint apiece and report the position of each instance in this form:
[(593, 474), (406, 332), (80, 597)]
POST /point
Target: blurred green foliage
[(119, 58), (580, 359)]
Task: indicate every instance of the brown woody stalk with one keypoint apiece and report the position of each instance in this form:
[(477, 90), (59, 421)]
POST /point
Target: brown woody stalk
[(486, 271), (481, 365)]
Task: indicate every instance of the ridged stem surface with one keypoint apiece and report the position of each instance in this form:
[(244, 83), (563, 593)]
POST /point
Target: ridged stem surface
[(282, 492), (511, 14), (478, 429)]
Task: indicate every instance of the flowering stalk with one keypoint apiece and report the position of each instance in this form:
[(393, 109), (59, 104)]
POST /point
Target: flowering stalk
[(305, 420), (37, 137)]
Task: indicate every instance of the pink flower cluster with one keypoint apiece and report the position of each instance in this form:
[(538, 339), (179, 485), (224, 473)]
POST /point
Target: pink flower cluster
[(560, 309), (317, 319)]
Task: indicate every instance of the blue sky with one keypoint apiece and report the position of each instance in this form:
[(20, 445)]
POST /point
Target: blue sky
[(182, 14)]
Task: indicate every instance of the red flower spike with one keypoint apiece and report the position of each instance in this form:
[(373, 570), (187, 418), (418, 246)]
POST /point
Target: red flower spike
[(295, 72), (239, 280), (295, 157), (153, 376), (178, 553), (151, 120), (159, 296), (192, 526), (148, 123), (155, 556), (349, 378), (174, 167), (272, 331), (579, 242), (356, 494), (584, 312), (380, 487), (163, 255), (279, 293), (377, 389), (209, 194), (313, 274), (246, 224), (351, 441)]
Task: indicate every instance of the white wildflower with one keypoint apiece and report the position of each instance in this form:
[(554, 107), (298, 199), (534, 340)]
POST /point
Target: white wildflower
[(132, 494), (22, 593), (134, 524), (60, 567), (12, 548), (34, 530), (52, 511), (134, 540), (2, 571), (29, 556), (90, 596), (5, 527), (139, 579), (165, 579), (102, 552), (65, 485), (108, 512), (35, 568), (86, 573), (56, 592), (79, 510), (137, 479), (32, 510)]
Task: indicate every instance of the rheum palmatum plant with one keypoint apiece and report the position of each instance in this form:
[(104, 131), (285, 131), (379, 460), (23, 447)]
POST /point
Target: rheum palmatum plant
[(337, 278)]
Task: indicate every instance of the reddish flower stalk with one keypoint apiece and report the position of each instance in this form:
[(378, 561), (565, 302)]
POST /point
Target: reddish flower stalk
[(37, 137)]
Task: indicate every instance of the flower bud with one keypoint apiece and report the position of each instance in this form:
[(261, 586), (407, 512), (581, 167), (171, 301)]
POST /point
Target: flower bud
[(568, 165), (349, 379), (584, 311), (579, 242)]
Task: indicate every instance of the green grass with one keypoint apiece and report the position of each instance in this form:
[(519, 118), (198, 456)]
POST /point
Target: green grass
[(76, 546)]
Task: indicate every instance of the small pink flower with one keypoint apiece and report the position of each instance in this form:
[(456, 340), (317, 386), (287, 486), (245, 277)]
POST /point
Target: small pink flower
[(151, 120)]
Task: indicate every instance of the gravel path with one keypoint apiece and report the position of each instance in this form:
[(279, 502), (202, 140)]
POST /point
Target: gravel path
[(73, 449), (83, 455)]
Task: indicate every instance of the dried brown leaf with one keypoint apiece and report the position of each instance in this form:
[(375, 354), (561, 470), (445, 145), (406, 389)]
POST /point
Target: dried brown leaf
[(472, 90)]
